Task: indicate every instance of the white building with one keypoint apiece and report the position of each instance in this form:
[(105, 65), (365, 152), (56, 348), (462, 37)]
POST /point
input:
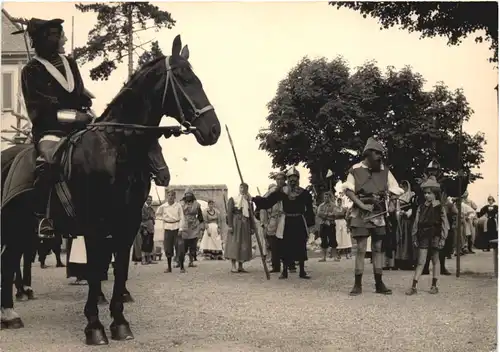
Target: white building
[(14, 57)]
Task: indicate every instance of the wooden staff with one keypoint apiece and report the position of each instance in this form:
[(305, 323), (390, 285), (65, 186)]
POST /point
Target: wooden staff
[(256, 228)]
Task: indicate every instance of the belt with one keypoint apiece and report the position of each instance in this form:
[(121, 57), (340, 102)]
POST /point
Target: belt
[(293, 215), (172, 222)]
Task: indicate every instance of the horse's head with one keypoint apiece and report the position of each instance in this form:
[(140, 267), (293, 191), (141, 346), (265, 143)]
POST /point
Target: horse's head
[(184, 98), (166, 86)]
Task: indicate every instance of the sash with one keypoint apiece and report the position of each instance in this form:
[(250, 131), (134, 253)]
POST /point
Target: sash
[(69, 83)]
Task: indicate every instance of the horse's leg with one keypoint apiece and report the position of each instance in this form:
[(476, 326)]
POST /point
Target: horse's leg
[(10, 261), (94, 331), (120, 328), (127, 297), (27, 266)]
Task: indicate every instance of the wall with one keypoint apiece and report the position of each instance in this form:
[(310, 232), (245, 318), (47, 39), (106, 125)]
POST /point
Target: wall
[(217, 193)]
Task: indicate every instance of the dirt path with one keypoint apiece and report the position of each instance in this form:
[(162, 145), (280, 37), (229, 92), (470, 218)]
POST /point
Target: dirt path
[(210, 310)]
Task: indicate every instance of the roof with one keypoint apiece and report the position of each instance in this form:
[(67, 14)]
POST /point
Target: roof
[(11, 43)]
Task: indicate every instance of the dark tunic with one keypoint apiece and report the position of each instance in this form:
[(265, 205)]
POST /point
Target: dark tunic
[(147, 229), (429, 222), (299, 216), (44, 96)]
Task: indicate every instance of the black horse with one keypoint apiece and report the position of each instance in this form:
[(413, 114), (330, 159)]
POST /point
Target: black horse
[(108, 176)]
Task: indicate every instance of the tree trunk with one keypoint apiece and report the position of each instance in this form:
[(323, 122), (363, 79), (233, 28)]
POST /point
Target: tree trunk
[(130, 41)]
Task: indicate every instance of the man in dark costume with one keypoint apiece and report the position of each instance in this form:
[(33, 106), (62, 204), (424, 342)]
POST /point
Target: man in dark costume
[(57, 105), (368, 184), (449, 188), (299, 217), (56, 102)]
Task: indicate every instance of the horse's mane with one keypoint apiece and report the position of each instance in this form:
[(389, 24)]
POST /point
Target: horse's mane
[(128, 89)]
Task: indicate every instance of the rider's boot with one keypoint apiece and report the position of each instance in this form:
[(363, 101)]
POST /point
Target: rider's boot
[(43, 186)]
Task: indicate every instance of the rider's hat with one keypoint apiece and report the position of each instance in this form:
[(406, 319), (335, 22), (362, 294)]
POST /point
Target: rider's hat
[(36, 26)]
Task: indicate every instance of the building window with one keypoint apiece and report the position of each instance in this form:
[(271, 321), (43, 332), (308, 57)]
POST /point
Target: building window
[(7, 91)]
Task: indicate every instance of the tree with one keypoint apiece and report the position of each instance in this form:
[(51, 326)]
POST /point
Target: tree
[(322, 116), (112, 38), (455, 20)]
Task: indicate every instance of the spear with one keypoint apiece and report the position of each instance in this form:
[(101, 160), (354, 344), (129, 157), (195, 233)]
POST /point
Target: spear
[(256, 228)]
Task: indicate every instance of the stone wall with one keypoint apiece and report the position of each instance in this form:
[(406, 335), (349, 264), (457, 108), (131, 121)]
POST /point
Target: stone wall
[(217, 193)]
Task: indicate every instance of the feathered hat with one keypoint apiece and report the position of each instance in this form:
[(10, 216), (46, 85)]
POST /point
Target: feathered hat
[(431, 183), (36, 26)]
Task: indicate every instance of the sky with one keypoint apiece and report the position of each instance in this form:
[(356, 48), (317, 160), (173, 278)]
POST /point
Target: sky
[(241, 50)]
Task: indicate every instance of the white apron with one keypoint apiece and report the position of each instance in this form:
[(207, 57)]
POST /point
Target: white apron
[(211, 240), (78, 254)]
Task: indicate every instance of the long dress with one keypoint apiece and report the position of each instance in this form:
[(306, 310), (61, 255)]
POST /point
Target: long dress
[(490, 230), (299, 216), (343, 236), (211, 242), (405, 253), (239, 242)]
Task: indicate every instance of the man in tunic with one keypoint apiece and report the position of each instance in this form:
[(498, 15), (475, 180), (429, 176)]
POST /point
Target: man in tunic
[(147, 231), (192, 226), (299, 217), (272, 222), (239, 233), (327, 232), (368, 184), (172, 215), (449, 188)]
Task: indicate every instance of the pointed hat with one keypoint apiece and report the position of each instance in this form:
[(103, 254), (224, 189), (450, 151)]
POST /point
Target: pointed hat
[(373, 144)]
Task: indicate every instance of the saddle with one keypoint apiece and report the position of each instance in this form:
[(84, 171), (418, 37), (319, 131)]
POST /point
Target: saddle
[(21, 176)]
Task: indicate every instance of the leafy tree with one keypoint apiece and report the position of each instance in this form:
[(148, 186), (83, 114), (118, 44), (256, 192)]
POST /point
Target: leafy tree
[(455, 20), (322, 116), (112, 38)]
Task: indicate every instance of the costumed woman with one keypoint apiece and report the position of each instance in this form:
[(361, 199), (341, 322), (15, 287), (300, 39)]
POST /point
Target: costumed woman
[(405, 253), (299, 218), (239, 233), (429, 233), (344, 242), (211, 242), (490, 226)]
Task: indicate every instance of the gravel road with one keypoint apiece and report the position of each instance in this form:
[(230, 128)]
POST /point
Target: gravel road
[(209, 309)]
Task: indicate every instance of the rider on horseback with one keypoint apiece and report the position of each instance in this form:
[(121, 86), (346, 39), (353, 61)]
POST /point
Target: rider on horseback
[(56, 102)]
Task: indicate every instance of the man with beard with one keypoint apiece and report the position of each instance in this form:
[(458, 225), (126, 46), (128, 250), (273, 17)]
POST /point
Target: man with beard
[(147, 231), (449, 188), (299, 216), (272, 221), (367, 186)]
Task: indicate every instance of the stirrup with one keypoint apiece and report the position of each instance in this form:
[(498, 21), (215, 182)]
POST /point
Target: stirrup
[(46, 228)]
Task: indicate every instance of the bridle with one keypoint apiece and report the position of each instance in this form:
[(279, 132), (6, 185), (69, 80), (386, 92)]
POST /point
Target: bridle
[(173, 81)]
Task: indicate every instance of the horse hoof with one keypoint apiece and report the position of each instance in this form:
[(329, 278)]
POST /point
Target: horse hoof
[(102, 301), (127, 298), (121, 332), (96, 337), (15, 323)]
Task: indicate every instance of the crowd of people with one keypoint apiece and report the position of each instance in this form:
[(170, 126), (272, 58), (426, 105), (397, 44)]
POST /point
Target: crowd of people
[(397, 227)]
